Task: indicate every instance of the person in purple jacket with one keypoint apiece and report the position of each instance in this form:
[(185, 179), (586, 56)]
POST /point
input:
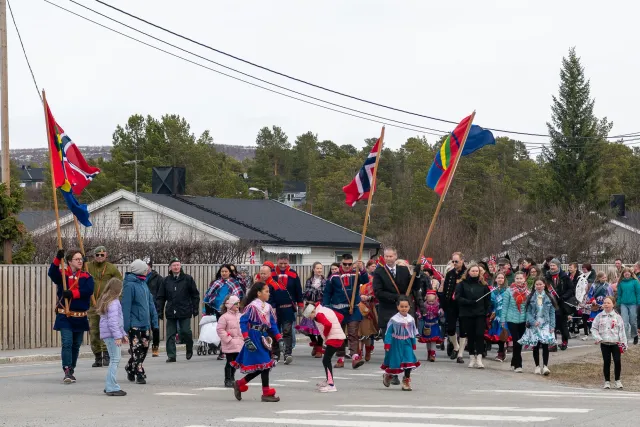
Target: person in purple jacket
[(112, 332)]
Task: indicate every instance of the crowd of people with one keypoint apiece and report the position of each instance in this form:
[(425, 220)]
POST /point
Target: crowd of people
[(471, 308)]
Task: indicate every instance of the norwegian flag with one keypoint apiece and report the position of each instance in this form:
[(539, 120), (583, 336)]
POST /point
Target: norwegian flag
[(426, 265), (359, 188)]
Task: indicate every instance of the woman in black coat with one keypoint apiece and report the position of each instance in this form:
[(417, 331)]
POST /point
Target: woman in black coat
[(474, 304)]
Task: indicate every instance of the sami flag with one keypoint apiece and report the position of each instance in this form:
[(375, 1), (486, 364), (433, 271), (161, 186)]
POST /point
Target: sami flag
[(78, 209), (441, 167), (359, 188)]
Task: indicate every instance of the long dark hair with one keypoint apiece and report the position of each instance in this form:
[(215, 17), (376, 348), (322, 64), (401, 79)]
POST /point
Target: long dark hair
[(253, 293), (313, 268), (228, 267), (546, 291)]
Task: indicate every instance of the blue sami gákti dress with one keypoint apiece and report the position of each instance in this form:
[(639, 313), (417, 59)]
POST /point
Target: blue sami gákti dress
[(399, 344), (257, 322)]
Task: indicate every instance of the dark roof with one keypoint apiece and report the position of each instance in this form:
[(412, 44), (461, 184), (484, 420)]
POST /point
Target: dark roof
[(294, 187), (36, 219), (264, 221), (31, 175)]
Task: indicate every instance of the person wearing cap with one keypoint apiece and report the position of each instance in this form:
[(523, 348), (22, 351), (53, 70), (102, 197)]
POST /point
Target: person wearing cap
[(154, 280), (102, 271), (563, 290), (505, 267), (140, 316), (178, 300)]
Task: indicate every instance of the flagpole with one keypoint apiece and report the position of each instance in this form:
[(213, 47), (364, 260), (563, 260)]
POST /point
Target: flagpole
[(366, 215), (84, 262), (444, 194), (55, 198)]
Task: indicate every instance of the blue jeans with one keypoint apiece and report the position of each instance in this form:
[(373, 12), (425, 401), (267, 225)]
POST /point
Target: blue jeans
[(111, 383), (71, 342), (629, 314)]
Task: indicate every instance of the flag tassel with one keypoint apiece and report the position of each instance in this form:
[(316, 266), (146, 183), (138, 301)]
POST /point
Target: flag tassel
[(442, 197)]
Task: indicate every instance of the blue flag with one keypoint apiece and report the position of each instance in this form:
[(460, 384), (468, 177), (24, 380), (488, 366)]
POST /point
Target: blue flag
[(78, 209), (477, 138)]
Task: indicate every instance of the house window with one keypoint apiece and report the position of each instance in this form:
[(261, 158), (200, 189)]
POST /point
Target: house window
[(126, 219)]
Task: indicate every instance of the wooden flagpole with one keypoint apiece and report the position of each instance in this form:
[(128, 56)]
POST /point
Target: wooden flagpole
[(55, 199), (84, 255), (444, 194), (366, 215)]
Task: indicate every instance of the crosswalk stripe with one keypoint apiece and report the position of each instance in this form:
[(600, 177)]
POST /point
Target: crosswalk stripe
[(175, 393), (335, 378), (422, 415), (293, 381), (477, 408), (367, 375), (598, 396), (212, 389), (572, 393), (336, 423)]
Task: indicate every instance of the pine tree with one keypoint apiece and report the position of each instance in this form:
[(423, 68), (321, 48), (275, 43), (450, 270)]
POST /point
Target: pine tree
[(576, 138)]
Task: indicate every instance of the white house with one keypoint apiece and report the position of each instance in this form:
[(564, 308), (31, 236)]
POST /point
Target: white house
[(273, 226)]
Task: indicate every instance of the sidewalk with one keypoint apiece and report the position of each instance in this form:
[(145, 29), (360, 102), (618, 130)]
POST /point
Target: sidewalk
[(53, 353)]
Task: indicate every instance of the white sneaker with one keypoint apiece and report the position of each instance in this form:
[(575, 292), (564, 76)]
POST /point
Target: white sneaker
[(518, 370), (584, 338), (619, 385), (321, 384), (607, 385), (479, 364), (328, 389), (537, 371), (472, 362), (545, 371)]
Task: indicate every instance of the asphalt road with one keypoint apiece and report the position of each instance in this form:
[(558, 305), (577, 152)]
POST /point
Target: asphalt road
[(190, 393)]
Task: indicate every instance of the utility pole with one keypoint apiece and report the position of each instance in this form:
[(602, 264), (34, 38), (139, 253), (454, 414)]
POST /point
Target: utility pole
[(134, 162), (4, 116)]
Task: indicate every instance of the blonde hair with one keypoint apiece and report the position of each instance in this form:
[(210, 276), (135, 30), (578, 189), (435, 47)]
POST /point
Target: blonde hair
[(111, 292), (628, 270), (612, 275), (466, 274), (601, 274)]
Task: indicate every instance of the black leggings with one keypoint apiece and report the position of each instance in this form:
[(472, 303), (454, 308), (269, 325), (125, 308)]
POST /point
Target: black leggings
[(156, 337), (474, 327), (516, 330), (561, 324), (263, 374), (545, 354), (230, 371), (407, 373), (326, 362), (500, 346), (316, 340), (585, 324), (609, 350)]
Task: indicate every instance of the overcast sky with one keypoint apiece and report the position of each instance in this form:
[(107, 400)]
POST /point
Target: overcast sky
[(441, 59)]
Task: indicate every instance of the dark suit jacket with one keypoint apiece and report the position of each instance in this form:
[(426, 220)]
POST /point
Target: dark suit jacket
[(387, 295)]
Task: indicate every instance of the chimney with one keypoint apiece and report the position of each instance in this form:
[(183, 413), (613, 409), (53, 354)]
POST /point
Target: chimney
[(617, 202), (168, 180)]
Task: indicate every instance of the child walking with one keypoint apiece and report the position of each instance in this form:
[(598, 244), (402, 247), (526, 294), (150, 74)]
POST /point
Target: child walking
[(112, 332), (608, 331), (541, 325), (328, 323), (258, 321), (513, 313), (430, 332), (313, 291), (231, 339), (498, 332), (399, 345)]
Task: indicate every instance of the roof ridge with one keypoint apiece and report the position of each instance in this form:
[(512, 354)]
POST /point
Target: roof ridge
[(228, 218)]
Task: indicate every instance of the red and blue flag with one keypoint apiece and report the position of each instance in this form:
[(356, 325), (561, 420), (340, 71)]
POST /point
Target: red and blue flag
[(443, 162), (359, 188)]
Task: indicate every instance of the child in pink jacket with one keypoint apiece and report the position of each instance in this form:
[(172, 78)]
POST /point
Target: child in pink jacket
[(230, 335)]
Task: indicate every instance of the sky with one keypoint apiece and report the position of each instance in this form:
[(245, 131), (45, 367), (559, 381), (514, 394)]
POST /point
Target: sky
[(441, 59)]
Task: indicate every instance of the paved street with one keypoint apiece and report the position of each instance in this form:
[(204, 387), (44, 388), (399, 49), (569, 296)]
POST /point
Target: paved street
[(190, 393)]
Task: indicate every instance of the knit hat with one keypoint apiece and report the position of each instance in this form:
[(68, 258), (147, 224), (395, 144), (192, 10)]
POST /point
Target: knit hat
[(308, 310), (231, 301), (139, 267), (99, 249), (172, 260), (556, 261)]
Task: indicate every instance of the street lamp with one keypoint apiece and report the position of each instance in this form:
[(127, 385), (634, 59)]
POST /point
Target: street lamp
[(134, 162), (265, 192)]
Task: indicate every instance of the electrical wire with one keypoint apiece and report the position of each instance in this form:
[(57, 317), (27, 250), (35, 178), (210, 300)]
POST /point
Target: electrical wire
[(313, 84), (24, 51)]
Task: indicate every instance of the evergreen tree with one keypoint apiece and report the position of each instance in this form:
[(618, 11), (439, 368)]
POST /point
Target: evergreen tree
[(576, 139)]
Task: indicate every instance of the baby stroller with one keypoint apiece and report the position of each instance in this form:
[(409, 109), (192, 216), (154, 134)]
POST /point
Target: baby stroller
[(208, 340)]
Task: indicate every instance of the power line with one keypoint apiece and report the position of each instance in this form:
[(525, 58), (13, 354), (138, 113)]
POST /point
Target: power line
[(306, 82), (24, 51), (251, 76), (234, 77)]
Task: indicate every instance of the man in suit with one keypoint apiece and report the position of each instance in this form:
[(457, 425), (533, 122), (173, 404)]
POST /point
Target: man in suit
[(450, 306)]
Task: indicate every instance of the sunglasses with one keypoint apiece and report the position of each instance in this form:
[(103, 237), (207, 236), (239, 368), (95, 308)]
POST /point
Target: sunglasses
[(347, 264), (455, 262), (100, 255)]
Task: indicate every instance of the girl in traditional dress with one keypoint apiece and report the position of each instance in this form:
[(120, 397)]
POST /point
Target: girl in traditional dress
[(258, 324), (514, 315), (399, 344), (368, 328), (495, 333), (313, 290), (597, 293), (430, 331), (541, 325)]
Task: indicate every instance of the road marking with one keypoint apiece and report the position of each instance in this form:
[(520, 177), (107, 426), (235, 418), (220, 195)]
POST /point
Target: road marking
[(259, 384), (477, 408), (335, 378), (597, 396), (32, 374), (336, 423), (422, 415), (586, 392), (367, 375), (293, 381), (213, 389), (175, 393)]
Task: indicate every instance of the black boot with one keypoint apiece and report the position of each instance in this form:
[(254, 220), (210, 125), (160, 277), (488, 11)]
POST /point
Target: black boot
[(140, 378), (105, 358), (98, 362)]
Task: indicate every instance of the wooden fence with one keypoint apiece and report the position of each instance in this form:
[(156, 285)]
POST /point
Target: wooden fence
[(27, 299)]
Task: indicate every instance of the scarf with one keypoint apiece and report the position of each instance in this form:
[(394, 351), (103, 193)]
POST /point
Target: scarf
[(316, 282), (431, 310), (259, 312), (403, 327), (520, 294), (277, 286)]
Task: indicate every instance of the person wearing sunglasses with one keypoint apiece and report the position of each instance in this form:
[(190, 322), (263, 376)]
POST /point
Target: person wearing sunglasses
[(341, 296), (102, 271), (73, 298), (450, 306)]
